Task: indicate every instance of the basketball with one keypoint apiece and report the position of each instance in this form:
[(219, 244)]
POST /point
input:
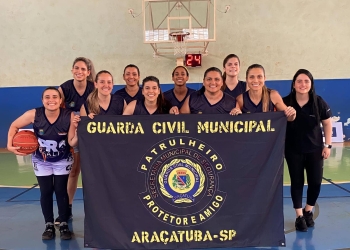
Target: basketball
[(26, 140)]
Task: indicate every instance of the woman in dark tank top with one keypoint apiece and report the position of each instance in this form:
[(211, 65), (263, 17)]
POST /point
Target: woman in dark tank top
[(210, 99), (231, 67), (101, 101), (132, 90), (259, 98), (153, 101)]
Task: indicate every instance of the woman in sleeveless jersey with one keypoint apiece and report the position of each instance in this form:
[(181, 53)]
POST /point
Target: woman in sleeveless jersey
[(177, 95), (132, 90), (52, 161), (210, 99), (153, 101), (259, 98), (232, 85)]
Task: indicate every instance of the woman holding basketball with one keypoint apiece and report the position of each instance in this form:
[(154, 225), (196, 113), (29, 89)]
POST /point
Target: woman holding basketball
[(232, 85), (177, 95), (132, 90), (210, 99), (52, 161), (259, 98), (153, 101), (74, 93)]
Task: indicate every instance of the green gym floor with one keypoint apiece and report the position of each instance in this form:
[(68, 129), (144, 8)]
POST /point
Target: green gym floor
[(21, 222)]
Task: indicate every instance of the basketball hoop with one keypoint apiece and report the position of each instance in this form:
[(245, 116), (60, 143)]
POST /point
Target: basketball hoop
[(179, 41)]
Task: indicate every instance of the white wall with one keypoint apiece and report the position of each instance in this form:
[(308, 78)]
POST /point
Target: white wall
[(39, 39)]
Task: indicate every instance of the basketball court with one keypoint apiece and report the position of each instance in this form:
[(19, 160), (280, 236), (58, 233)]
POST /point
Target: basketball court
[(21, 221)]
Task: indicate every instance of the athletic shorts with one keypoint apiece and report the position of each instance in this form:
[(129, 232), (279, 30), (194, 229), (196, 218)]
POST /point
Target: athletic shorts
[(44, 168)]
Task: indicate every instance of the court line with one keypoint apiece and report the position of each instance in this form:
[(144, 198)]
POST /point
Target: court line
[(25, 191), (330, 181)]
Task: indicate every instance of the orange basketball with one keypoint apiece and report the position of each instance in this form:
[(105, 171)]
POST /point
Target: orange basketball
[(26, 140)]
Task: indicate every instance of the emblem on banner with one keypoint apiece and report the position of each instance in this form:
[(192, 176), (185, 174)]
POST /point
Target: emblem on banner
[(181, 180)]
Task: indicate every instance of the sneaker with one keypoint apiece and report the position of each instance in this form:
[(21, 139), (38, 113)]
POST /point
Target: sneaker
[(49, 232), (308, 215), (58, 220), (300, 224), (66, 234)]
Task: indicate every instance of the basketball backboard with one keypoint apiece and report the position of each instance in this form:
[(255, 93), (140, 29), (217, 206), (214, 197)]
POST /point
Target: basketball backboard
[(178, 27)]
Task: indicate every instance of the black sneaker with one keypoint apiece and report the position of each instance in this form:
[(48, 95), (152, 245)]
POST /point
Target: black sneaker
[(308, 215), (66, 234), (49, 232), (300, 224)]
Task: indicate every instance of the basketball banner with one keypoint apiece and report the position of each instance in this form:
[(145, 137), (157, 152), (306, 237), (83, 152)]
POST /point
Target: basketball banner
[(180, 182)]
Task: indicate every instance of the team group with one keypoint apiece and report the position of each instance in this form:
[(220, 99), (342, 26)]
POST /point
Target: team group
[(57, 167)]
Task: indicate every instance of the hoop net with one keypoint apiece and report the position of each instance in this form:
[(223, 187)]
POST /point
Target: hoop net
[(179, 42)]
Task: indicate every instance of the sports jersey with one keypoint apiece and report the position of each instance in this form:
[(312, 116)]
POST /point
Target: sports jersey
[(239, 89), (250, 107), (140, 109), (116, 106), (52, 138), (122, 92), (171, 98), (72, 99), (199, 104)]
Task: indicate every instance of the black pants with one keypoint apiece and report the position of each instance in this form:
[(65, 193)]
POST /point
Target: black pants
[(54, 184), (313, 164)]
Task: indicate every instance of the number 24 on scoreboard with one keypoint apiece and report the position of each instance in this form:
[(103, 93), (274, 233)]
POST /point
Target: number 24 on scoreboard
[(193, 60)]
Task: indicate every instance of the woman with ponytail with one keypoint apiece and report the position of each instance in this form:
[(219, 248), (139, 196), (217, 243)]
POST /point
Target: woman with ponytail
[(153, 101), (259, 98), (101, 101), (232, 85), (74, 93), (304, 148)]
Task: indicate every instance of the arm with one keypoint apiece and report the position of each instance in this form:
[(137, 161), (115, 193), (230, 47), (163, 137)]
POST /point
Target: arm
[(327, 128), (236, 110), (239, 101), (280, 106), (22, 121), (62, 95), (72, 133), (124, 105), (185, 109), (130, 108)]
